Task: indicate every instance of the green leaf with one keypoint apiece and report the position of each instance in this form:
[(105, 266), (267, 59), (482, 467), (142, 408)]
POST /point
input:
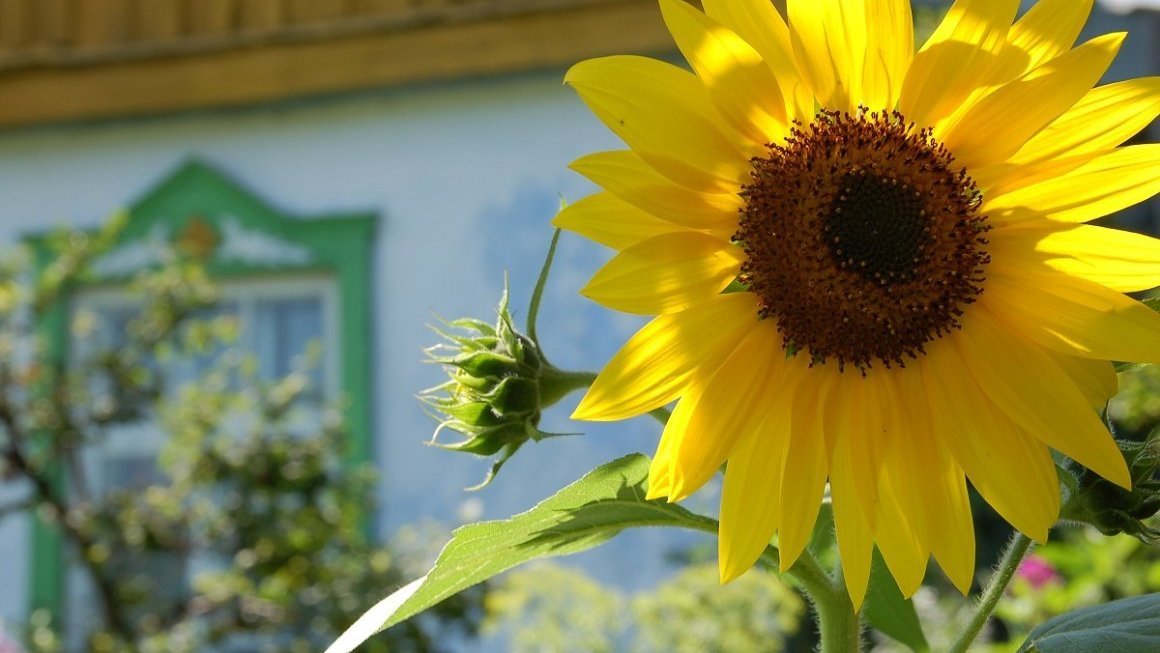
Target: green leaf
[(1124, 626), (890, 613), (587, 513)]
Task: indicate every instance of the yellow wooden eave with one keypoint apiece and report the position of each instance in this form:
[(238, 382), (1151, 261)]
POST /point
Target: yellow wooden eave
[(60, 61)]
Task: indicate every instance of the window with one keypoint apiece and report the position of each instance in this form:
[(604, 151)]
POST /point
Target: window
[(289, 280), (279, 322)]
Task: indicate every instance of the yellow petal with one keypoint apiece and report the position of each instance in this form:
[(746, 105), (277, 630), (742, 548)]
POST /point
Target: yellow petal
[(803, 478), (665, 274), (853, 530), (1033, 391), (610, 221), (903, 533), (1001, 123), (897, 454), (627, 176), (749, 501), (829, 42), (1014, 473), (664, 114), (956, 60), (1071, 315), (857, 411), (1005, 177), (751, 496), (1043, 33), (1121, 260), (734, 403), (889, 51), (666, 357), (661, 472), (904, 553), (1046, 31), (740, 85), (1106, 184), (951, 533), (761, 26), (1104, 118), (664, 465), (1097, 380)]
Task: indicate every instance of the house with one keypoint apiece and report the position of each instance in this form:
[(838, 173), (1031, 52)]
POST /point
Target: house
[(380, 163), (363, 167)]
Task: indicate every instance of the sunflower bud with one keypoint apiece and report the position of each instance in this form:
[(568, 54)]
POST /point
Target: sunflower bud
[(499, 382), (1112, 509)]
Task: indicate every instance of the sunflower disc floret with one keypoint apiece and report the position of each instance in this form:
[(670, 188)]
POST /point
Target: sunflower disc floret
[(862, 240)]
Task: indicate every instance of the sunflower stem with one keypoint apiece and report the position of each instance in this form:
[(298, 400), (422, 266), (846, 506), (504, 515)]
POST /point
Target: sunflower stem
[(661, 415), (556, 383), (838, 622), (1012, 556)]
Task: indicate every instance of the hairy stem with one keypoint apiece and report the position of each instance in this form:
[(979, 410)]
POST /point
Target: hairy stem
[(1012, 556), (838, 622)]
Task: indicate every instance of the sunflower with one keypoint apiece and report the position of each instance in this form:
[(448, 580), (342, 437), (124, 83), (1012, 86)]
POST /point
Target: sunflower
[(869, 266)]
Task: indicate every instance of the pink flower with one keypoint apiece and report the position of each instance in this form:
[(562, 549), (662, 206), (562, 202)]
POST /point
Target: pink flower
[(1038, 571)]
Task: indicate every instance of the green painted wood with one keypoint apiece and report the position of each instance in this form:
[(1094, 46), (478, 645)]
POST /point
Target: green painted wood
[(196, 200), (48, 570)]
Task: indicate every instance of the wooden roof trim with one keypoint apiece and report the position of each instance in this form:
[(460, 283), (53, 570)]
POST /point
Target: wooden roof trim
[(339, 26), (283, 70)]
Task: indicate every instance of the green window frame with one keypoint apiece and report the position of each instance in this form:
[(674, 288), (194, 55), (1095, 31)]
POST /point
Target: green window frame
[(246, 238)]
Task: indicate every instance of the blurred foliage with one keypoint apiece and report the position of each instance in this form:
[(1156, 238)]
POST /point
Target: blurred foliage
[(548, 608), (694, 613), (251, 531), (926, 19), (1136, 409)]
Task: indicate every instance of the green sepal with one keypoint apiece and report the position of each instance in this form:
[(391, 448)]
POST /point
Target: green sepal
[(1110, 508), (515, 396), (487, 442), (476, 413), (467, 323), (485, 363)]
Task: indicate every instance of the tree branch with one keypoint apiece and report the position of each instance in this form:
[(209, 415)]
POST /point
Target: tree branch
[(45, 493)]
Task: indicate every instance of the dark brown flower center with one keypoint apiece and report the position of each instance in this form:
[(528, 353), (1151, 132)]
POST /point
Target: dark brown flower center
[(862, 240)]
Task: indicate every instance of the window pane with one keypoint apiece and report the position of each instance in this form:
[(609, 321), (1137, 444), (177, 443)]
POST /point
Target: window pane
[(129, 472), (285, 330)]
